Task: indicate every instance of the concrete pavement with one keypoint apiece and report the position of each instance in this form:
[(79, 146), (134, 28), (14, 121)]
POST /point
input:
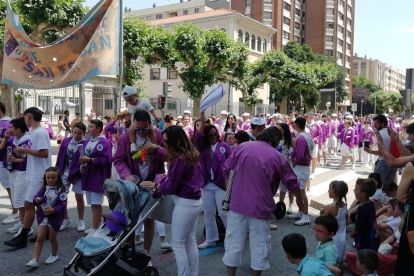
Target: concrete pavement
[(13, 261)]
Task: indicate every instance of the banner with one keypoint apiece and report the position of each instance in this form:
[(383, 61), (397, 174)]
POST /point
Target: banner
[(213, 98), (89, 49)]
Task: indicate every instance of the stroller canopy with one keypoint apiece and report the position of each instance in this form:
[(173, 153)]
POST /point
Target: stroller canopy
[(133, 196)]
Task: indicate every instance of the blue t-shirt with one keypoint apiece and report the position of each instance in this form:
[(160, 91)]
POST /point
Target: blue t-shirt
[(328, 253), (366, 225), (66, 121), (313, 267)]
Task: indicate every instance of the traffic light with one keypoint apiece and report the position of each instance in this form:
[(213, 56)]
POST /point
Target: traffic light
[(406, 97), (166, 88), (161, 101)]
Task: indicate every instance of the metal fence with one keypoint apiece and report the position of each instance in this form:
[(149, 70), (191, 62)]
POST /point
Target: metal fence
[(176, 106)]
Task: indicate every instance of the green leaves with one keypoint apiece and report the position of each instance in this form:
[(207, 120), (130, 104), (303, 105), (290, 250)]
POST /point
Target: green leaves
[(386, 100)]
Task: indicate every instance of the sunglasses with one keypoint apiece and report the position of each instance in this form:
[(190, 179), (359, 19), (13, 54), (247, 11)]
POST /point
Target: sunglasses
[(212, 135), (141, 129), (319, 231)]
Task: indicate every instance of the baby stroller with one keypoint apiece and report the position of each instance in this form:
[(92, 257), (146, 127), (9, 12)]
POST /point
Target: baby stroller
[(107, 252)]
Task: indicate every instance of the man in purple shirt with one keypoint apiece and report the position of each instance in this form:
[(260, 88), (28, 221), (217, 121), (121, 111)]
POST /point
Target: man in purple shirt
[(315, 131), (332, 141), (301, 162), (348, 142), (326, 129), (252, 200)]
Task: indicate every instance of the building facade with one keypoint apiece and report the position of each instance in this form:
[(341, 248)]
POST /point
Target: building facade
[(387, 76)]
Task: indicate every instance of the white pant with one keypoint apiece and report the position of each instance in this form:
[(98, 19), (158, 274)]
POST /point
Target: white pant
[(158, 225), (18, 188), (4, 177), (212, 197), (332, 142), (115, 174), (367, 157), (183, 229)]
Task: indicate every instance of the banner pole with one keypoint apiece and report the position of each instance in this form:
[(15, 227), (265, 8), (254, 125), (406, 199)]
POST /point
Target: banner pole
[(121, 52)]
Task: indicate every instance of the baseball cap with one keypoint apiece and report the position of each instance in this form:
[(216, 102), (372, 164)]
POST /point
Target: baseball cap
[(179, 117), (258, 121), (334, 115), (349, 117), (246, 114), (128, 91), (224, 112), (187, 111)]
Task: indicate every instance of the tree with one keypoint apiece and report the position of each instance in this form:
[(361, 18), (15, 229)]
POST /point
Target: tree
[(44, 21), (386, 100), (362, 89), (200, 58), (338, 82)]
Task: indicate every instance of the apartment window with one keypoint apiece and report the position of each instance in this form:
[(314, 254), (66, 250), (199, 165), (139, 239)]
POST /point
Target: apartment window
[(348, 46), (329, 25), (247, 38), (348, 58), (348, 34), (338, 55), (297, 12), (268, 1), (148, 17), (286, 6), (259, 44), (158, 16), (297, 39), (340, 29), (340, 42), (286, 20), (223, 30), (240, 35), (350, 9), (286, 35), (329, 53), (341, 16), (267, 15), (247, 14), (341, 3), (329, 38), (329, 11), (349, 22), (172, 74), (185, 12), (264, 45), (297, 25), (154, 73), (196, 10), (253, 43), (247, 3)]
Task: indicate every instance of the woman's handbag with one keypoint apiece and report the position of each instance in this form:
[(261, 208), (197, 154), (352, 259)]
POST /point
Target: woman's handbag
[(164, 210), (410, 234)]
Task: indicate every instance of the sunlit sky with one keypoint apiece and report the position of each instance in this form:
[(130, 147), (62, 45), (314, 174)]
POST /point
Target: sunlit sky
[(384, 29)]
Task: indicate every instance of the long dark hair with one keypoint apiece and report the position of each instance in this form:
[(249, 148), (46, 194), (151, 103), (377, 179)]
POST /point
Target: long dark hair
[(287, 137), (242, 137), (206, 133), (233, 126), (178, 143), (59, 183), (270, 135)]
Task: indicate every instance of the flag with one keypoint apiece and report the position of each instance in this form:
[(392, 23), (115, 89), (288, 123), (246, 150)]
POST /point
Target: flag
[(89, 49), (213, 98)]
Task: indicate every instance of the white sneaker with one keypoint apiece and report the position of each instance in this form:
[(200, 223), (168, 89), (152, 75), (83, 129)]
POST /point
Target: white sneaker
[(347, 161), (207, 244), (353, 166), (134, 148), (11, 219), (303, 221), (165, 245), (15, 228), (81, 226), (33, 263), (296, 216), (28, 234), (341, 167), (368, 166), (65, 224), (307, 193), (141, 241), (336, 155), (90, 231), (312, 176), (51, 259), (289, 209)]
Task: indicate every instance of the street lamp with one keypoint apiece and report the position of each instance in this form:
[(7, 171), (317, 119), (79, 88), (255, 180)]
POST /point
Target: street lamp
[(328, 104), (362, 104), (230, 74)]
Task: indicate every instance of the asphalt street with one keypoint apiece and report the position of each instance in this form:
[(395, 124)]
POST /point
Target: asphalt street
[(13, 262)]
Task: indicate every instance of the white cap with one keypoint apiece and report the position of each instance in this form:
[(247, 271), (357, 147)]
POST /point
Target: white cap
[(224, 112), (349, 117), (41, 109), (334, 115), (179, 117), (128, 91), (104, 121), (258, 121), (187, 111), (246, 114), (267, 115)]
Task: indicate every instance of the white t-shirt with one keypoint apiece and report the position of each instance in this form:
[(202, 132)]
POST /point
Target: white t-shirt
[(386, 139), (143, 104), (143, 165), (379, 194), (36, 166), (394, 222)]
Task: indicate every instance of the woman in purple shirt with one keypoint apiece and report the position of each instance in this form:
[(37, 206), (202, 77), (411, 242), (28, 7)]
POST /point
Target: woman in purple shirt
[(213, 155), (184, 182)]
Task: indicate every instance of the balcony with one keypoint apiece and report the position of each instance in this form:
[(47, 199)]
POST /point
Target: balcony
[(349, 2), (285, 41), (303, 20), (349, 27), (297, 5), (297, 18), (286, 28), (330, 4), (340, 62), (347, 77), (340, 35), (347, 65), (349, 14), (330, 18), (329, 45), (340, 22), (285, 13), (340, 9), (297, 32), (348, 52), (329, 32), (303, 7), (348, 40), (302, 33)]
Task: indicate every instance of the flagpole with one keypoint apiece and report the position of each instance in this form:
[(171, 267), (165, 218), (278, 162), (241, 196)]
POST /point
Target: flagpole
[(121, 58)]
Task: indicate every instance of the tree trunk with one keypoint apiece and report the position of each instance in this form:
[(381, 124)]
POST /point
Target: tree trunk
[(7, 92), (248, 108), (283, 106), (196, 107)]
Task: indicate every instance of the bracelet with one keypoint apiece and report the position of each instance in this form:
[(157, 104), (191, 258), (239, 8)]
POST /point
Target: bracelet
[(90, 160), (155, 186)]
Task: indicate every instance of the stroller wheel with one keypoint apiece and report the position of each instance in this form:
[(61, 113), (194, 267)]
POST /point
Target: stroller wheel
[(280, 210), (149, 271)]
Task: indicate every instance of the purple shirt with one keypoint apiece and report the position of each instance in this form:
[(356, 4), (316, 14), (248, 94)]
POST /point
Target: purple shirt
[(340, 128), (316, 132), (49, 129), (183, 179), (112, 129), (348, 137), (74, 173), (364, 136), (126, 166), (334, 126), (300, 154), (259, 170), (4, 126), (55, 220), (245, 125), (326, 130), (25, 143), (212, 161)]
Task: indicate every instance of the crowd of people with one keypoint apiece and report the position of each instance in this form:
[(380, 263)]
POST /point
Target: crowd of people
[(202, 160)]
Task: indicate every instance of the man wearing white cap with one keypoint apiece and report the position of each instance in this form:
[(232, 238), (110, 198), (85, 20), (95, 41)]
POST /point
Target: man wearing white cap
[(315, 131), (130, 95), (222, 120), (245, 125), (332, 141), (257, 125)]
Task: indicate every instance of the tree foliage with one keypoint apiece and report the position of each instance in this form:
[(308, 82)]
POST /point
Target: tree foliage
[(365, 83), (386, 100)]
